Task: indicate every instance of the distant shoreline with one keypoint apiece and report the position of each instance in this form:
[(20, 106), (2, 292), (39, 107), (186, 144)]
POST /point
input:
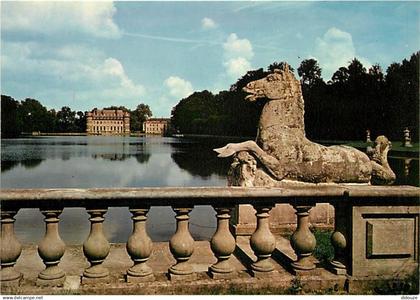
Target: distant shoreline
[(397, 148)]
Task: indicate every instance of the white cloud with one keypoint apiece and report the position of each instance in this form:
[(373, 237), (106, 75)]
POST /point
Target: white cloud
[(178, 87), (235, 47), (89, 73), (335, 49), (237, 67), (207, 23), (93, 18), (237, 53)]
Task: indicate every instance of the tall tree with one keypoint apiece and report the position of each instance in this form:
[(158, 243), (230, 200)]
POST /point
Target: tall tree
[(66, 120), (34, 116), (191, 114), (310, 72), (80, 121), (402, 87), (139, 115), (341, 76), (11, 123), (248, 77)]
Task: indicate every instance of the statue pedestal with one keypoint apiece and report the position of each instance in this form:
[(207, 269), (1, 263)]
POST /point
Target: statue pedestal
[(282, 218)]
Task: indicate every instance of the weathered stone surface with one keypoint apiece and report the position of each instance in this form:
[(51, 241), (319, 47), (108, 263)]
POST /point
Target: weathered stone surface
[(10, 250), (282, 151), (282, 218), (222, 244), (385, 240)]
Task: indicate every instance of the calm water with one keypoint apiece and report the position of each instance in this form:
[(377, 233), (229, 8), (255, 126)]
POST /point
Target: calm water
[(94, 162)]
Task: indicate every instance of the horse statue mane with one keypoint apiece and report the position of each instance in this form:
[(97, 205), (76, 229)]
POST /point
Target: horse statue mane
[(282, 153)]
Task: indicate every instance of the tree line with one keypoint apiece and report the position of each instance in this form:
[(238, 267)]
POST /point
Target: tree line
[(354, 100), (30, 115)]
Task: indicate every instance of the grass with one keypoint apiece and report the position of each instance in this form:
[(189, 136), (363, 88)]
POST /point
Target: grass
[(399, 286), (396, 145), (324, 251)]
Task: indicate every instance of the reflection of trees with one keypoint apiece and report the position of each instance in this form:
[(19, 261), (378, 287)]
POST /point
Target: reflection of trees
[(199, 160), (407, 170), (31, 163), (8, 165), (112, 156), (142, 157)]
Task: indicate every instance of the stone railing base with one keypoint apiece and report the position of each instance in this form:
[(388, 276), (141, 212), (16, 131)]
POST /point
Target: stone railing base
[(324, 282)]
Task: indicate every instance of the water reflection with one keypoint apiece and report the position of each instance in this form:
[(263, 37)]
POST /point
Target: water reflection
[(90, 162), (186, 157)]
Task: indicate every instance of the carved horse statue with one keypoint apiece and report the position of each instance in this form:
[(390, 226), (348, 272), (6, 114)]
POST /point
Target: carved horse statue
[(282, 151)]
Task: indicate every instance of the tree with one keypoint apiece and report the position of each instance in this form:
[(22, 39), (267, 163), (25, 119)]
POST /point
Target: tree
[(34, 116), (310, 72), (113, 107), (341, 75), (80, 121), (402, 90), (191, 114), (248, 77), (356, 70), (376, 74), (11, 124), (66, 120), (139, 115)]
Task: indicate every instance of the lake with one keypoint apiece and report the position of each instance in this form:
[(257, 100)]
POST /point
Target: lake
[(104, 162)]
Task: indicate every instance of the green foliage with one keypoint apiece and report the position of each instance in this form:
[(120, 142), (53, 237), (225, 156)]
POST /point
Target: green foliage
[(399, 286), (196, 113), (296, 286), (223, 114), (357, 99), (138, 116), (11, 123), (324, 251), (31, 116), (66, 120), (310, 72), (34, 116)]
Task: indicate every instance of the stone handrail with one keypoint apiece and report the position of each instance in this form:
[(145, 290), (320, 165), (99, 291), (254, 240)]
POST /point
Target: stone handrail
[(356, 207)]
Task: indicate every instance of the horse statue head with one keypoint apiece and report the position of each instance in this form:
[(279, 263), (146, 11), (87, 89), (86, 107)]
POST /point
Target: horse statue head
[(281, 84)]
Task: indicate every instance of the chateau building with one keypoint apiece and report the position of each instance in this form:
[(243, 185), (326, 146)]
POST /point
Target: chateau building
[(156, 126), (108, 122)]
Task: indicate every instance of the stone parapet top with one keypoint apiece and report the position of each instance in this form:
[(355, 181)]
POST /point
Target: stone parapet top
[(164, 196)]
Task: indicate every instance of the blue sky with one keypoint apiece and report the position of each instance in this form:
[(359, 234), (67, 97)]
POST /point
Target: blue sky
[(96, 54)]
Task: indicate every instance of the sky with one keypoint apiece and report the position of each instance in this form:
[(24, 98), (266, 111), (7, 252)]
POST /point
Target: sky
[(97, 54)]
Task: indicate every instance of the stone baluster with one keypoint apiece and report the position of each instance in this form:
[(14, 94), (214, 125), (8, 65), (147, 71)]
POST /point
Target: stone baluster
[(96, 249), (51, 249), (182, 247), (338, 239), (139, 247), (222, 244), (10, 250), (303, 241), (263, 243)]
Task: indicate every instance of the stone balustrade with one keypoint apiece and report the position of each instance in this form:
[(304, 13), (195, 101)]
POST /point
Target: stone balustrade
[(376, 231)]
